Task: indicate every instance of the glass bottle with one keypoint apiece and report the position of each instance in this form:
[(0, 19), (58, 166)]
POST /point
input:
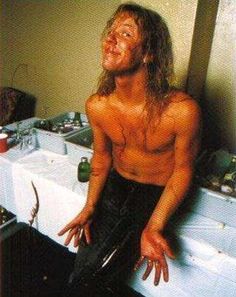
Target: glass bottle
[(83, 170), (77, 119), (229, 179)]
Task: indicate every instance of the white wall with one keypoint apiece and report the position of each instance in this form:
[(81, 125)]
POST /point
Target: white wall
[(52, 48), (220, 87)]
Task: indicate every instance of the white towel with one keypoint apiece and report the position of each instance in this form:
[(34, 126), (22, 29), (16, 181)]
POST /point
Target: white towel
[(59, 199)]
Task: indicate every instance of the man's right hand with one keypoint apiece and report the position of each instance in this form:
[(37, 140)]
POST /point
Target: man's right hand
[(79, 225)]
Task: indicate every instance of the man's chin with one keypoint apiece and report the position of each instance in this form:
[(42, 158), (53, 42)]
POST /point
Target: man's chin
[(121, 72)]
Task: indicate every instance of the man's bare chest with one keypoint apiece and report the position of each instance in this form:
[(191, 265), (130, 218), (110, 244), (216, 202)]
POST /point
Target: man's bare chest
[(135, 130)]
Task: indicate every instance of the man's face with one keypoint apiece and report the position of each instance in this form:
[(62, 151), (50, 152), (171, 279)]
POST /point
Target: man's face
[(122, 47)]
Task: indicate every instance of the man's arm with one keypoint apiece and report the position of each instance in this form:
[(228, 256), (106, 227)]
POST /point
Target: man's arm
[(101, 160), (187, 141), (153, 245), (100, 165)]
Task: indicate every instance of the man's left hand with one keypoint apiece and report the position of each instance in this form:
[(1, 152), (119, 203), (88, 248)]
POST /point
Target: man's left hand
[(154, 247)]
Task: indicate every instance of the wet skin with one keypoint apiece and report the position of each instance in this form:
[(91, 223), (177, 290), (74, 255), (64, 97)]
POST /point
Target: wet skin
[(159, 151), (121, 49)]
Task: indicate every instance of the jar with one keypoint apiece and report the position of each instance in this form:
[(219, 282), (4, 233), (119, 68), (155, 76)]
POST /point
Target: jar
[(84, 170)]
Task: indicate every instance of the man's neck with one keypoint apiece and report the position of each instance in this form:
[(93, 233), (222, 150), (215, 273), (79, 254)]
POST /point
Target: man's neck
[(131, 88)]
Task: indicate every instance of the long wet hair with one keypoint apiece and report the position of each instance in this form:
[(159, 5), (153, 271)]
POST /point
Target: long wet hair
[(156, 44)]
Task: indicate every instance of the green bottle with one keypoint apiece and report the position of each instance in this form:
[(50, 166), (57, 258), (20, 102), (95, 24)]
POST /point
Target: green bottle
[(83, 170)]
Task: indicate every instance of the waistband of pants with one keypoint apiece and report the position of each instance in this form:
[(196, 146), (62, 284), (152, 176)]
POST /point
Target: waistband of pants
[(114, 173)]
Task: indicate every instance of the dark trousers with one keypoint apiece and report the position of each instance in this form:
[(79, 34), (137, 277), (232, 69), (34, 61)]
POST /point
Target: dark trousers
[(122, 212)]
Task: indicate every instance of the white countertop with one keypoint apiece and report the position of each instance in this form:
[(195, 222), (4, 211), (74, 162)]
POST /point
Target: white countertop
[(207, 237), (61, 196)]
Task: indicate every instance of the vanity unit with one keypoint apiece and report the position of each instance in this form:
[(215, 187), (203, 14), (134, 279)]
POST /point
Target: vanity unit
[(202, 232)]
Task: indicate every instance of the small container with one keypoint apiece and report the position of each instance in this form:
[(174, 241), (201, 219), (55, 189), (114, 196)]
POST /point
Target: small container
[(84, 170), (229, 179), (3, 143)]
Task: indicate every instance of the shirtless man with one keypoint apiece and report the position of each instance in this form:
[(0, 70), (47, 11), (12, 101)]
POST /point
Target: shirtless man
[(144, 131)]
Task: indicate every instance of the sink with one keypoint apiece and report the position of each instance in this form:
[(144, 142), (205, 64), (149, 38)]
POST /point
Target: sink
[(80, 145), (84, 137), (52, 132)]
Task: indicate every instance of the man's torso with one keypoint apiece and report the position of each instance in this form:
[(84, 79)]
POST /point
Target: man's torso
[(142, 148)]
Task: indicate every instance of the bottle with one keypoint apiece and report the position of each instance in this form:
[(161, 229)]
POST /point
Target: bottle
[(77, 119), (229, 179), (83, 170)]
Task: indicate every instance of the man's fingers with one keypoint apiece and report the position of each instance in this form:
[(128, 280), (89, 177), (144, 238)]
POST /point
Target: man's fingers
[(78, 236), (87, 233), (139, 263), (148, 269), (66, 228), (157, 273), (164, 267), (70, 235)]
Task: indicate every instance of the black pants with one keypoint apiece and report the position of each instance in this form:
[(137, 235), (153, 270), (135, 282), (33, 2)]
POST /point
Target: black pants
[(122, 212)]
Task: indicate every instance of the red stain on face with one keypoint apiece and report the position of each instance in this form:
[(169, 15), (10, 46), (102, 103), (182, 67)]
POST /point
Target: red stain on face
[(122, 47)]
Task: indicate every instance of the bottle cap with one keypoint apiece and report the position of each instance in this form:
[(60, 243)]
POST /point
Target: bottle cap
[(84, 159)]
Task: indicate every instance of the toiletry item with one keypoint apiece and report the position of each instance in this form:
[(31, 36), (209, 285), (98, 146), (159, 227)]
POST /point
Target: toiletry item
[(83, 170), (229, 179), (3, 142)]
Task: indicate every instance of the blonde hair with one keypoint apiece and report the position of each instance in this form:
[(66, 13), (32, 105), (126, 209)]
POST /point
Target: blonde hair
[(156, 43)]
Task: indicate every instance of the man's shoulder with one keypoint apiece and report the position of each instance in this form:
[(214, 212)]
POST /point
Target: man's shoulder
[(96, 103), (177, 96), (96, 100), (185, 111), (182, 104)]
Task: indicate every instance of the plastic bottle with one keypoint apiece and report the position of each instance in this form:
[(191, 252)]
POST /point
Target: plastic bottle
[(83, 170), (229, 179)]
